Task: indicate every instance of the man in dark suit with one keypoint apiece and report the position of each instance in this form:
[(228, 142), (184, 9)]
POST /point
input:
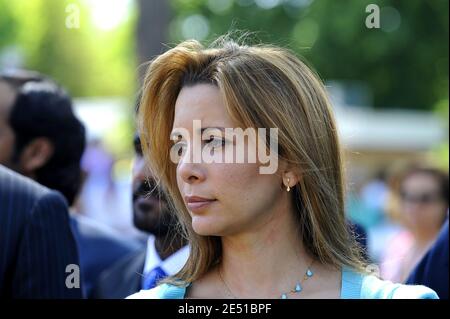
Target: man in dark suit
[(432, 270), (38, 254), (166, 251), (40, 137)]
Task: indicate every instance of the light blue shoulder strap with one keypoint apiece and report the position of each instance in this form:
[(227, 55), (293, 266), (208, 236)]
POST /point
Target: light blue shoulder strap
[(350, 287), (351, 284), (168, 291)]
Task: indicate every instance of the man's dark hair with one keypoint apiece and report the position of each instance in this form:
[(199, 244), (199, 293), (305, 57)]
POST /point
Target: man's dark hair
[(43, 109)]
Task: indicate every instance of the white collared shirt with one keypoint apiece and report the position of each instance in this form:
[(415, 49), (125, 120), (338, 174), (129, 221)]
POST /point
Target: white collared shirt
[(171, 265)]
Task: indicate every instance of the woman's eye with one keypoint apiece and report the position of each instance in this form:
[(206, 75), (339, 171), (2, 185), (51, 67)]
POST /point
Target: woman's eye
[(180, 148), (215, 142)]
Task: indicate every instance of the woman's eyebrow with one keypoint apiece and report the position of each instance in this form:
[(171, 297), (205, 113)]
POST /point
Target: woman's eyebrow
[(212, 127), (179, 135)]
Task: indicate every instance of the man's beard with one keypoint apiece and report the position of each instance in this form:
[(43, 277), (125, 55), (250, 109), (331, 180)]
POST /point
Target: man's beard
[(150, 210)]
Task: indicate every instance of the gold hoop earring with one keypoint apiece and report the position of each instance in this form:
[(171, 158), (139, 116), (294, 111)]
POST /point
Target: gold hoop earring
[(288, 188)]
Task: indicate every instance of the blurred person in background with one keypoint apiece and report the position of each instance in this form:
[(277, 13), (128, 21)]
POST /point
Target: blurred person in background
[(420, 204), (367, 206), (98, 187), (373, 195), (36, 241), (44, 141), (166, 251), (106, 192), (432, 271)]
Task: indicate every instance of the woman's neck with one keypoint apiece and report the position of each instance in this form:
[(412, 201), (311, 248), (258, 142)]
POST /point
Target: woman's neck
[(266, 262)]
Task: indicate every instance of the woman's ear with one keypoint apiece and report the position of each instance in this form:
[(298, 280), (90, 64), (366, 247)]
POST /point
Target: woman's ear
[(291, 177), (36, 155)]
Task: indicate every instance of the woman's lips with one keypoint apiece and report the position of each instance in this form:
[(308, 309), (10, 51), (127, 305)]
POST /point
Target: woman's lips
[(196, 204)]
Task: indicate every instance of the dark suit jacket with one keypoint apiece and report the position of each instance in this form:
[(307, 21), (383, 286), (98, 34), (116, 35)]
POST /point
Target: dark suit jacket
[(36, 243), (432, 270), (99, 247), (123, 278)]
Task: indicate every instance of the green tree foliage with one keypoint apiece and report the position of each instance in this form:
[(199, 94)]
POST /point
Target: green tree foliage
[(404, 63), (87, 61)]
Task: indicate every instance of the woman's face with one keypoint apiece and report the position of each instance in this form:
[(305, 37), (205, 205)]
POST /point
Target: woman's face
[(222, 198), (422, 204)]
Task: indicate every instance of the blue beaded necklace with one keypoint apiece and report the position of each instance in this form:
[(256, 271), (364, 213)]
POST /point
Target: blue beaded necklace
[(297, 289)]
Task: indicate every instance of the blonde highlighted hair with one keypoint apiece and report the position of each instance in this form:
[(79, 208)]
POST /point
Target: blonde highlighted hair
[(263, 87)]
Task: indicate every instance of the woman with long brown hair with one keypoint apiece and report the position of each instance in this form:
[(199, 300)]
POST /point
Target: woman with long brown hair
[(254, 231)]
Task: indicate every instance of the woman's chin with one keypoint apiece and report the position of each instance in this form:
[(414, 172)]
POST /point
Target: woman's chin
[(205, 226)]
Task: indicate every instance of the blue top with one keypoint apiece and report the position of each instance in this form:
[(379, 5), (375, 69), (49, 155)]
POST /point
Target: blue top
[(354, 286)]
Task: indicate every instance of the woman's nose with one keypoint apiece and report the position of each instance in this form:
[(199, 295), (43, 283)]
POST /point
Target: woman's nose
[(189, 170)]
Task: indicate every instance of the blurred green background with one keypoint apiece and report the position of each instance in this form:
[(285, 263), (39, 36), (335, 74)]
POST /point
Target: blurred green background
[(405, 63)]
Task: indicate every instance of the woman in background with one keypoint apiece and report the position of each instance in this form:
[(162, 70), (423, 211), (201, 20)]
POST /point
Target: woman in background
[(422, 194)]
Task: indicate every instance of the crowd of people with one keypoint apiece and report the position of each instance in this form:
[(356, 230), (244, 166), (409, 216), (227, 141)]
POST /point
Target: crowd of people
[(213, 229)]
